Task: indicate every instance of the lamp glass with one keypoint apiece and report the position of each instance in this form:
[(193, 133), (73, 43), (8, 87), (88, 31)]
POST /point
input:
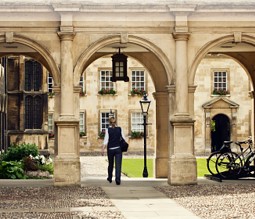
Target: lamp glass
[(145, 104)]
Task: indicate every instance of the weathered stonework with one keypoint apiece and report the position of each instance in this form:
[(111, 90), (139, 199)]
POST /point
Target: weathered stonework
[(169, 38)]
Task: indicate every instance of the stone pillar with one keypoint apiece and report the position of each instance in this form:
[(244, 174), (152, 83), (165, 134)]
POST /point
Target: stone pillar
[(182, 162), (208, 147), (67, 160), (162, 130)]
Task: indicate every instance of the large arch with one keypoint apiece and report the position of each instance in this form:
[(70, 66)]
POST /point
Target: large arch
[(44, 55), (90, 54), (161, 73), (243, 59)]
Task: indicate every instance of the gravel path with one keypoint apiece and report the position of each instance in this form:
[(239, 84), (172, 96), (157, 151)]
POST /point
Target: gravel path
[(222, 201), (71, 202)]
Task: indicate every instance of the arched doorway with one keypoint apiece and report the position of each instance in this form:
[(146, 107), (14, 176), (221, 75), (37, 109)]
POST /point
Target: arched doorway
[(220, 131)]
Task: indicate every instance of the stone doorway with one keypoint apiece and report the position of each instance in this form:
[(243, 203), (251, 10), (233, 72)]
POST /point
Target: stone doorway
[(220, 131)]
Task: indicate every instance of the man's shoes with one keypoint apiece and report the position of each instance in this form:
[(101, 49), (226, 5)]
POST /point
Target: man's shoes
[(109, 180), (117, 182)]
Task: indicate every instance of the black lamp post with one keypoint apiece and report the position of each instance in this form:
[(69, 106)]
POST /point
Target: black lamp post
[(145, 105)]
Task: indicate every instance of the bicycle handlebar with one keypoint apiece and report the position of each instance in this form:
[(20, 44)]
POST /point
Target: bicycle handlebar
[(239, 143)]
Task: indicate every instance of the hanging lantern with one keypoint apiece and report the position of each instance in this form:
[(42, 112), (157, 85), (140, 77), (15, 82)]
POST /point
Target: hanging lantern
[(119, 67)]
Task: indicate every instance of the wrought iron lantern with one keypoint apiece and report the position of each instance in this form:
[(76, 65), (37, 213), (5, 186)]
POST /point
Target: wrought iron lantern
[(145, 104), (119, 67)]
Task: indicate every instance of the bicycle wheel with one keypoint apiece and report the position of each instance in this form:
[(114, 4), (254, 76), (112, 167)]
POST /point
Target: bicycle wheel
[(211, 162), (249, 167), (229, 165)]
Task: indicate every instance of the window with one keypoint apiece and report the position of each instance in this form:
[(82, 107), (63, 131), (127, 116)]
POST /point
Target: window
[(104, 119), (138, 80), (33, 75), (82, 122), (220, 82), (104, 123), (136, 122), (33, 112), (50, 83), (81, 83), (105, 80), (50, 122)]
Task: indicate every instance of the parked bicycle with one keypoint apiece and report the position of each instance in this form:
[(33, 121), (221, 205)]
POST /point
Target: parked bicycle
[(211, 160), (232, 165)]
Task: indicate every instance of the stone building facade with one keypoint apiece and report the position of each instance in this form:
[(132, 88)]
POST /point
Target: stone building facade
[(233, 108), (169, 38), (124, 105)]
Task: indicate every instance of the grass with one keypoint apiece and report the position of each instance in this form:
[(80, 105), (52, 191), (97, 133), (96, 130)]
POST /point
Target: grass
[(201, 167), (133, 167)]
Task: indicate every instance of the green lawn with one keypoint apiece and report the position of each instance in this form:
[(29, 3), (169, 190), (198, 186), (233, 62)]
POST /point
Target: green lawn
[(133, 167)]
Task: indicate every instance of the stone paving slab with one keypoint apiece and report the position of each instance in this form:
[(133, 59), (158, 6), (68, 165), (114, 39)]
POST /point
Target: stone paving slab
[(145, 202)]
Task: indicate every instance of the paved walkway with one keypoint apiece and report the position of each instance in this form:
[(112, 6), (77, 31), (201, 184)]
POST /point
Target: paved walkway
[(135, 198)]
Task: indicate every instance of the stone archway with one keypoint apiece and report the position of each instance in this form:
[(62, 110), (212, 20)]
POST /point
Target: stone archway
[(30, 48), (161, 72), (40, 53), (243, 58)]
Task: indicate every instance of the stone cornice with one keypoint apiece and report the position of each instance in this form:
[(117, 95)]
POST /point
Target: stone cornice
[(174, 6)]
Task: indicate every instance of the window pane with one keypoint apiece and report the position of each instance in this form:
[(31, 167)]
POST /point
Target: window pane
[(28, 112), (220, 80), (138, 80), (105, 80), (50, 123), (82, 122), (37, 112), (136, 122), (50, 83)]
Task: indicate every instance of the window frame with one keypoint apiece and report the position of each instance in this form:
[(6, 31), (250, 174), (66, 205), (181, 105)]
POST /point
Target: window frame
[(107, 111), (131, 121), (83, 122), (33, 113), (227, 83), (144, 76), (113, 86), (82, 84), (50, 84)]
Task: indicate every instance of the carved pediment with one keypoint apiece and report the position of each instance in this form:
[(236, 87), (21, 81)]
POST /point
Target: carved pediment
[(220, 103)]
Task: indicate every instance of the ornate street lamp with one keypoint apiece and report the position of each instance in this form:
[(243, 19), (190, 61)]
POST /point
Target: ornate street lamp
[(145, 105), (119, 67)]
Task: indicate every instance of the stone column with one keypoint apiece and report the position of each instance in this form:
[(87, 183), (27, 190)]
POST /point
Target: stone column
[(181, 62), (67, 160), (182, 162), (162, 130)]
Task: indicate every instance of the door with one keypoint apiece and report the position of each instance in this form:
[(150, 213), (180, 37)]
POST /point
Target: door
[(220, 131)]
